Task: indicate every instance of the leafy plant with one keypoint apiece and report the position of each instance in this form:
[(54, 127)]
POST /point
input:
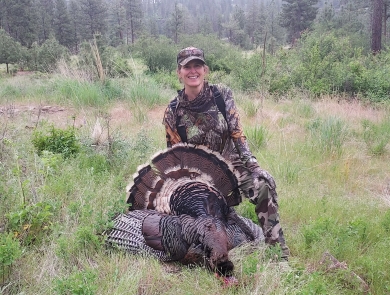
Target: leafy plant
[(86, 239), (10, 251), (159, 54), (316, 230), (58, 141), (77, 283), (250, 263), (249, 72), (31, 222)]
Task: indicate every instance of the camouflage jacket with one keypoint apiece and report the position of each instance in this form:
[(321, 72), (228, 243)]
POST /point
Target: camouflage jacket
[(205, 124)]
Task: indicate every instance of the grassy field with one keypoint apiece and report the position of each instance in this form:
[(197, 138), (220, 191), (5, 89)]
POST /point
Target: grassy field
[(330, 158)]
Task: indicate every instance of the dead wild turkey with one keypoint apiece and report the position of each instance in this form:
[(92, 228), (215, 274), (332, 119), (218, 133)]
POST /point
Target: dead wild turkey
[(181, 210)]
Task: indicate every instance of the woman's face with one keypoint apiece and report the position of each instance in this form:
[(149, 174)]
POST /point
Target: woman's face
[(192, 74)]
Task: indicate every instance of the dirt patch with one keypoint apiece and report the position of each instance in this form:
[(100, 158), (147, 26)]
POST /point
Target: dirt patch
[(56, 114), (119, 115), (24, 73)]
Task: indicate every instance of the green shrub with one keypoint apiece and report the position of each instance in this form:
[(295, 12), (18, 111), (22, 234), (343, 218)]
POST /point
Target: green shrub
[(250, 263), (78, 283), (86, 239), (31, 222), (159, 54), (44, 58), (58, 141), (249, 72), (114, 64), (10, 251), (168, 79), (316, 231), (280, 83), (247, 209)]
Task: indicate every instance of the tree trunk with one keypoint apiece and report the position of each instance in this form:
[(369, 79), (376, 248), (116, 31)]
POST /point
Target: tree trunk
[(376, 26), (385, 22)]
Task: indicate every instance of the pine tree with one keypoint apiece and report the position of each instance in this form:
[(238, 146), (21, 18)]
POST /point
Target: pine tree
[(93, 18), (255, 25), (176, 22), (20, 20), (297, 16), (45, 10), (376, 27), (117, 22), (275, 33), (76, 25), (134, 19), (62, 24)]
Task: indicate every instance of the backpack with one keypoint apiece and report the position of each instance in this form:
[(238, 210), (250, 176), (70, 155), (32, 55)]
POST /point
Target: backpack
[(219, 101)]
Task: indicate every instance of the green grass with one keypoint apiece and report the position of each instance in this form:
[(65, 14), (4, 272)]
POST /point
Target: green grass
[(333, 186)]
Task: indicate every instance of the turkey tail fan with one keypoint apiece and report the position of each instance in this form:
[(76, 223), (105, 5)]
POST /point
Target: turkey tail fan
[(173, 167)]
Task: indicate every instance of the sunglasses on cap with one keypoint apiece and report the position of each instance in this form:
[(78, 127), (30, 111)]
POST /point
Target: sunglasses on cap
[(190, 53)]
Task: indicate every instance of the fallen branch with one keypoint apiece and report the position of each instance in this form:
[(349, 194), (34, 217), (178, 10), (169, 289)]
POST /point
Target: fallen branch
[(331, 263)]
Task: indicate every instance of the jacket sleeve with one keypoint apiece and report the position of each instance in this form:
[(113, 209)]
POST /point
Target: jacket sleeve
[(169, 121), (235, 127)]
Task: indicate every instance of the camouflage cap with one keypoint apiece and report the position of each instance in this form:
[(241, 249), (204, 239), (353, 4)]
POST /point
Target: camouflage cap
[(189, 53)]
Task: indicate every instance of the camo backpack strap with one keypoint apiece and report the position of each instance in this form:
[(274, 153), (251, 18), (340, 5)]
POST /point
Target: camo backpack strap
[(219, 101)]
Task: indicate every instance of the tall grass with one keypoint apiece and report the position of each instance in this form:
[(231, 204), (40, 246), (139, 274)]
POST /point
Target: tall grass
[(328, 134), (145, 91), (376, 136)]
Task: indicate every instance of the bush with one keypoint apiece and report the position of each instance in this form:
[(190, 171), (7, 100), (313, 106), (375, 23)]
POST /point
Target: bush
[(249, 72), (44, 58), (30, 223), (324, 61), (58, 141), (159, 54), (77, 283), (10, 251)]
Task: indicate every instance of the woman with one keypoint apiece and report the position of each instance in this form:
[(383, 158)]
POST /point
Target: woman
[(204, 114)]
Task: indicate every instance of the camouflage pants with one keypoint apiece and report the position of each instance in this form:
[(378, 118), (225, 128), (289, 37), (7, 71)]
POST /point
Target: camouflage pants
[(267, 213)]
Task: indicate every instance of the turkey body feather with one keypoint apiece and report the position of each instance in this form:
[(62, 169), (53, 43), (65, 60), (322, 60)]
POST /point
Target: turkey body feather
[(181, 210)]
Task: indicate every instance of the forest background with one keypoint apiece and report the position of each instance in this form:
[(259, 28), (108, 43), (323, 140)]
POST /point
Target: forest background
[(83, 86)]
